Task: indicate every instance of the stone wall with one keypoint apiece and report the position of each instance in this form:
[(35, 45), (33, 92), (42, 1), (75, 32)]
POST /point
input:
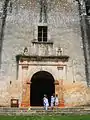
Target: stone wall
[(21, 29)]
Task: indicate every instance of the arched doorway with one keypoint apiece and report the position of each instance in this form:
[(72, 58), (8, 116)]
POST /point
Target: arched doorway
[(42, 83)]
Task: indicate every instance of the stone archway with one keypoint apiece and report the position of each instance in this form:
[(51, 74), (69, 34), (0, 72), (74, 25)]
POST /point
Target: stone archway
[(42, 83)]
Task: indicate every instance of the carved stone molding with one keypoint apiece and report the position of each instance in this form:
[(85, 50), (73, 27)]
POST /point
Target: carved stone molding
[(56, 82), (63, 58), (28, 83), (25, 66)]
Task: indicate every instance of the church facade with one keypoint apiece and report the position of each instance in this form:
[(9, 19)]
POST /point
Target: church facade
[(44, 49)]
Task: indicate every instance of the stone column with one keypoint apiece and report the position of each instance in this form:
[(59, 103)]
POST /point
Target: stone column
[(25, 88), (61, 71), (61, 94), (56, 87)]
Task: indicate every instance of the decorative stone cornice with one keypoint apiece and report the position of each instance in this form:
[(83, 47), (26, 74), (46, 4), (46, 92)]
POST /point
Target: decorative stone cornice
[(39, 42), (21, 58)]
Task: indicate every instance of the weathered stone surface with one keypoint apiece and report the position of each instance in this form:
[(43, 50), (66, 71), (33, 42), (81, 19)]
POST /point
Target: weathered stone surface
[(63, 30)]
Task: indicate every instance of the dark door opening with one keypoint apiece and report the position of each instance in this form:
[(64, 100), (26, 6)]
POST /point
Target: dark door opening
[(42, 83)]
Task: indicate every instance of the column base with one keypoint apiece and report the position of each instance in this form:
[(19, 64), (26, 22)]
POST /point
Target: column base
[(61, 104), (25, 104)]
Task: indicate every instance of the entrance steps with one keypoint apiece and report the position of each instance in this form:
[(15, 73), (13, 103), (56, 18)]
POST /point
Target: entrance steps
[(41, 111)]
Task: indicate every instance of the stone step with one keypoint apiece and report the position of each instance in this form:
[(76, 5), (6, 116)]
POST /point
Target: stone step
[(40, 110), (44, 113)]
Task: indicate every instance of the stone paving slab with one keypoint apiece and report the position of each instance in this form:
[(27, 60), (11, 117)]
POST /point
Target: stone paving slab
[(40, 111)]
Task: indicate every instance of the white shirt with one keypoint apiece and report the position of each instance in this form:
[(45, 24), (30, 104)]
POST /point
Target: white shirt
[(46, 103), (56, 101), (52, 99)]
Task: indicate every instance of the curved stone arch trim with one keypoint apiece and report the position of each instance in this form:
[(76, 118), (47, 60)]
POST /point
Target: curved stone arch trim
[(43, 72), (37, 69)]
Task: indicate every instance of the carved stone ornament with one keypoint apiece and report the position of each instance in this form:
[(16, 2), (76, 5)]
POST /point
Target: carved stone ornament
[(56, 82), (25, 66)]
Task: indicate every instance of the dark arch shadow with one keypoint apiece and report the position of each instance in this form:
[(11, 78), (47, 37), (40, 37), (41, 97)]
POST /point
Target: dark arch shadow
[(42, 83)]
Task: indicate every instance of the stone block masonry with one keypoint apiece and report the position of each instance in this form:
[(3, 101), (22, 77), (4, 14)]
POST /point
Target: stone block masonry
[(64, 31)]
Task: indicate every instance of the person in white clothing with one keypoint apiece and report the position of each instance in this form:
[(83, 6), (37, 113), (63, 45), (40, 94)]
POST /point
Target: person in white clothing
[(52, 101), (56, 101), (45, 102)]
